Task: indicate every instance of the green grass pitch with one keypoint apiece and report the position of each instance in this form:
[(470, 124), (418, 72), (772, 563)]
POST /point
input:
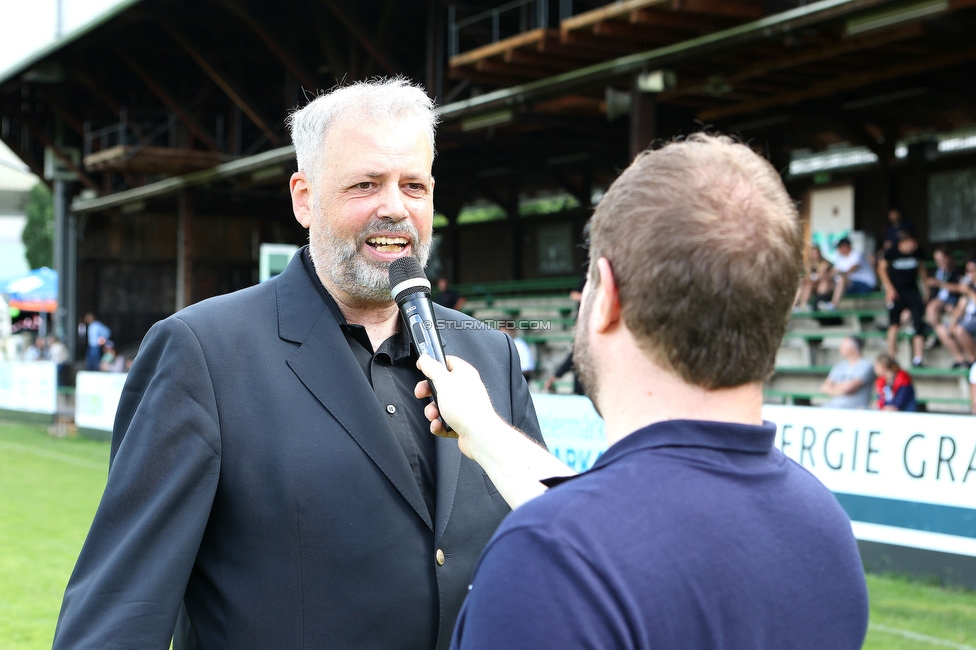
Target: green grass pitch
[(50, 487)]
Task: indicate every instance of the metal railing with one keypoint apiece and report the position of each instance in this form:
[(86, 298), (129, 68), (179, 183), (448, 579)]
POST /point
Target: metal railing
[(140, 130), (500, 22)]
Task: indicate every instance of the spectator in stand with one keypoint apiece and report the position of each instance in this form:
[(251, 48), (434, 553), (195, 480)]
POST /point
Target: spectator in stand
[(58, 350), (817, 279), (566, 366), (37, 350), (853, 275), (902, 271), (576, 295), (96, 333), (849, 381), (448, 297), (526, 358), (111, 361), (60, 356), (896, 226), (894, 385), (945, 286), (961, 328)]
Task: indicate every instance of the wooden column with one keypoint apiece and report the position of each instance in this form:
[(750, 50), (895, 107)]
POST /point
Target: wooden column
[(643, 119), (184, 251)]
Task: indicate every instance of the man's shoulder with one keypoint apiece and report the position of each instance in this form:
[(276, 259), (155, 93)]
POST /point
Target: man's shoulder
[(240, 310)]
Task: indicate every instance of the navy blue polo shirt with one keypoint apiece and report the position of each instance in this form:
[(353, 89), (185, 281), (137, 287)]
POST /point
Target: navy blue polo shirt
[(685, 534)]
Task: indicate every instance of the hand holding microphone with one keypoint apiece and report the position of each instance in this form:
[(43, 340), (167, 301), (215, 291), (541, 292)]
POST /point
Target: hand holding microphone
[(514, 462), (411, 292)]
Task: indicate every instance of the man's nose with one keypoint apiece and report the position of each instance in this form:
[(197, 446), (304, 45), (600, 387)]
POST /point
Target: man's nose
[(392, 206)]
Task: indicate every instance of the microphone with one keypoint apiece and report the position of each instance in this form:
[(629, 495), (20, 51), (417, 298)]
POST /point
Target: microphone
[(410, 289)]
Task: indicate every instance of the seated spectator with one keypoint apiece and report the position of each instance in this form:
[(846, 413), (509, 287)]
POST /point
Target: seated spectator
[(894, 386), (563, 368), (901, 271), (448, 297), (526, 358), (961, 327), (849, 381), (817, 279), (37, 350), (853, 275), (61, 356), (943, 290), (59, 351), (111, 361)]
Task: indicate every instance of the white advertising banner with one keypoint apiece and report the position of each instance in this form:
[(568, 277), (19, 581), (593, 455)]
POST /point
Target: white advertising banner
[(904, 478), (29, 386), (97, 398)]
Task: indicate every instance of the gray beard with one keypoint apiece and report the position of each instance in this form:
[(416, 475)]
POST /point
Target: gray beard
[(341, 261)]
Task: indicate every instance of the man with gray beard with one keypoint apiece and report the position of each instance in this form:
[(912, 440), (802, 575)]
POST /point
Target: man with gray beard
[(272, 481)]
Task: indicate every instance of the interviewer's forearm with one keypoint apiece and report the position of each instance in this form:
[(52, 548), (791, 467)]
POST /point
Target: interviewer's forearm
[(514, 462)]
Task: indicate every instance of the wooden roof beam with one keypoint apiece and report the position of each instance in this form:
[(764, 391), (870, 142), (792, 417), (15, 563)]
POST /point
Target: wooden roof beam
[(525, 57), (521, 72), (779, 63), (184, 115), (636, 33), (603, 46), (375, 51), (608, 12), (741, 10), (536, 37), (97, 91), (272, 44), (570, 51), (68, 118), (38, 134), (234, 94), (26, 157), (843, 83), (383, 26), (677, 21)]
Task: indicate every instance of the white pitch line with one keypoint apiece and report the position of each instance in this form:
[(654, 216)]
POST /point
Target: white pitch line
[(24, 449), (915, 636)]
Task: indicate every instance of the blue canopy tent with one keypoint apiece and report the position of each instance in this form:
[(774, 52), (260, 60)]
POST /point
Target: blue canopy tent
[(35, 291)]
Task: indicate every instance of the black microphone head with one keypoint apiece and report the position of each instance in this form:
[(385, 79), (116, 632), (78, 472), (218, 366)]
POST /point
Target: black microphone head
[(407, 276)]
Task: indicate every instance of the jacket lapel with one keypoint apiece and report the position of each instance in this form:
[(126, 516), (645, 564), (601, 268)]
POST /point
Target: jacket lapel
[(326, 366)]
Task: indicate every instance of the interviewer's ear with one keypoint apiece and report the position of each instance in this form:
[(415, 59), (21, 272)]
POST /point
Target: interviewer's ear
[(605, 312)]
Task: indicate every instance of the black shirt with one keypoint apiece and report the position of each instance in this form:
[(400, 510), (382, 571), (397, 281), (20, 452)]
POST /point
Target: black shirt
[(903, 269), (392, 372)]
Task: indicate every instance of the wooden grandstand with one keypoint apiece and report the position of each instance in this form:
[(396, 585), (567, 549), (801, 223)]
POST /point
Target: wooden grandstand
[(545, 318)]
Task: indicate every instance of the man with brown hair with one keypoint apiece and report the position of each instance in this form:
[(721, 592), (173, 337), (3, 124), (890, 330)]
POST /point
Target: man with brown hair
[(692, 530)]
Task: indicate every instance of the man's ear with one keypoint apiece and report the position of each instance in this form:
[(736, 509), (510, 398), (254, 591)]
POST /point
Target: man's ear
[(605, 313), (301, 198)]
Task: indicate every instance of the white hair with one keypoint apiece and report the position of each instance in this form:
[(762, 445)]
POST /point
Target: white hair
[(364, 101)]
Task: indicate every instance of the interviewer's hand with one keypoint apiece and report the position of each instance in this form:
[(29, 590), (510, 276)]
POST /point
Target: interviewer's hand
[(462, 399), (514, 462)]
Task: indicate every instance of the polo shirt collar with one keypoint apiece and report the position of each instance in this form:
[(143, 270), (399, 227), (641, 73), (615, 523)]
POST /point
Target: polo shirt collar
[(722, 436)]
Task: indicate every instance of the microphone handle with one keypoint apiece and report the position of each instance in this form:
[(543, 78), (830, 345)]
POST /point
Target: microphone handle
[(417, 313)]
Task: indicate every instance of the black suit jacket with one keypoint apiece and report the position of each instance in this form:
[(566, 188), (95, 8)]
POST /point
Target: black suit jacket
[(255, 490)]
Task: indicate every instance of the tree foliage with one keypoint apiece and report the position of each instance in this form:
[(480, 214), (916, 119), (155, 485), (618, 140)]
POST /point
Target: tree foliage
[(38, 234)]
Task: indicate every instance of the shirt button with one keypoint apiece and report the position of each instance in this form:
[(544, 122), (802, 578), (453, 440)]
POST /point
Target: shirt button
[(390, 409), (439, 556)]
